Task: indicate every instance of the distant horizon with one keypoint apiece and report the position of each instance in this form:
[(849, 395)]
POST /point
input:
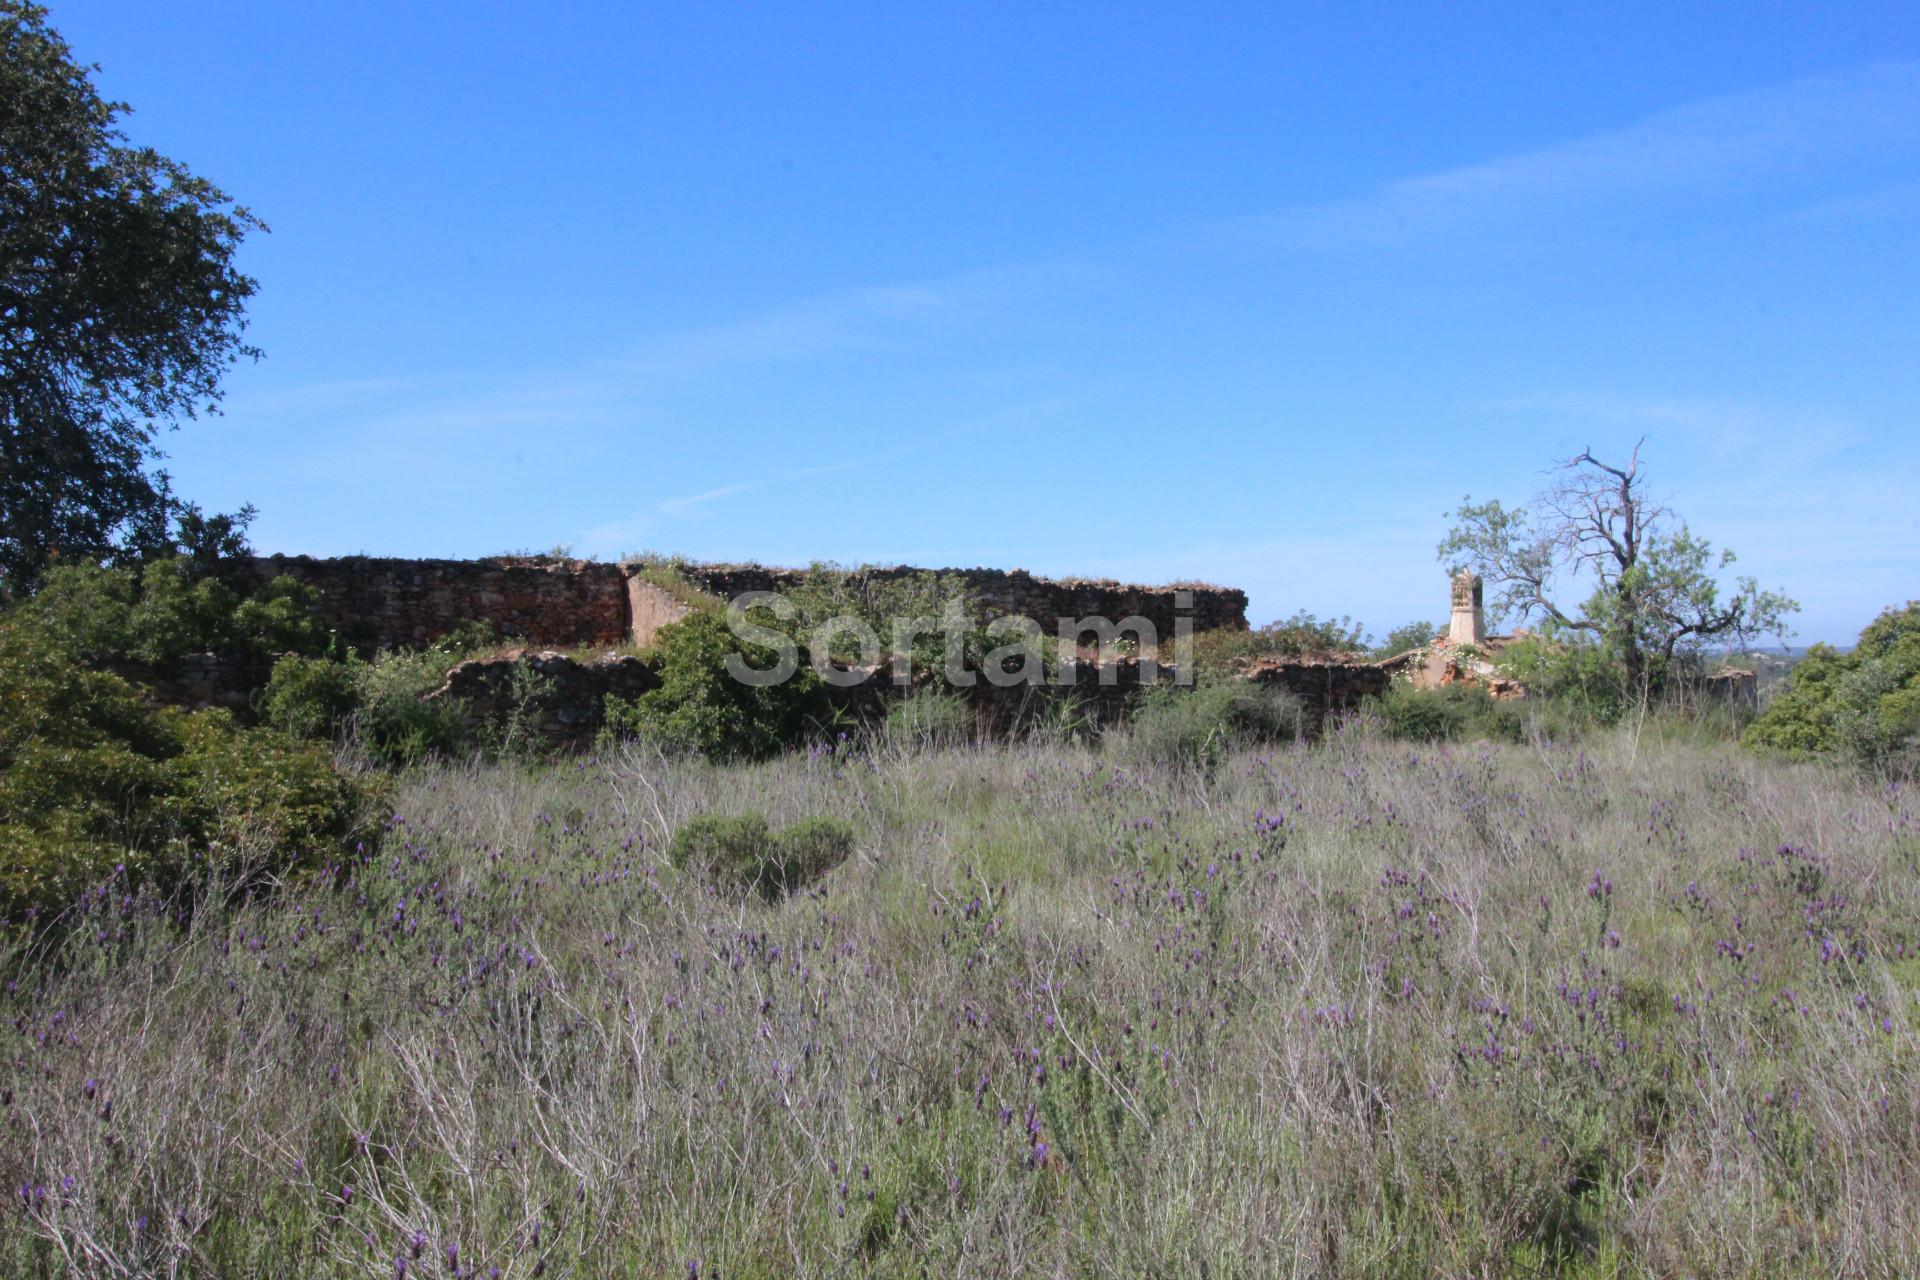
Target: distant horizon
[(1251, 296)]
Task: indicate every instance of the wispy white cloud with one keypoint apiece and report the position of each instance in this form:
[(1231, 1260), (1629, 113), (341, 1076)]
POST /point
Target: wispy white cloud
[(848, 321), (1773, 132), (682, 505)]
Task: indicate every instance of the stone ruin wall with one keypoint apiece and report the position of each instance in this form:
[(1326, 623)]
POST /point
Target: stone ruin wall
[(1017, 593), (374, 602)]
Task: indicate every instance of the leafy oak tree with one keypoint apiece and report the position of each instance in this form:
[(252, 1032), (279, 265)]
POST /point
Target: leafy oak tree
[(1655, 588), (120, 308)]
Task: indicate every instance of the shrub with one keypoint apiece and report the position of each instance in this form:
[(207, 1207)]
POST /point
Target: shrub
[(85, 608), (1196, 727), (743, 852), (929, 717), (92, 777), (280, 617), (700, 708), (178, 613), (1863, 705), (1223, 651), (809, 849), (1304, 633), (392, 721), (1579, 676), (1449, 713), (311, 697)]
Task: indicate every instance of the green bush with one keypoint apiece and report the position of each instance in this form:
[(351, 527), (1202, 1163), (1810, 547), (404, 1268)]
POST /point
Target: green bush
[(280, 617), (701, 709), (1449, 713), (809, 849), (92, 776), (380, 704), (1581, 677), (743, 852), (1197, 726), (85, 608), (929, 717), (1863, 705), (392, 721), (311, 697), (1224, 651)]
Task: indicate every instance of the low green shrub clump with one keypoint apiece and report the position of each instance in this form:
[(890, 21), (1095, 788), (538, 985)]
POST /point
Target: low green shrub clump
[(1449, 713), (744, 852), (1196, 727), (93, 778), (1225, 651)]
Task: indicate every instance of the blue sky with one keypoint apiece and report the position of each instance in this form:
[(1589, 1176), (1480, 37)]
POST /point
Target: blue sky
[(1245, 293)]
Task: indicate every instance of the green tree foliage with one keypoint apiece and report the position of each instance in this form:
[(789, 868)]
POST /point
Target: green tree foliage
[(1655, 595), (170, 607), (120, 308), (1578, 675), (701, 708), (94, 777), (1413, 635), (1863, 705)]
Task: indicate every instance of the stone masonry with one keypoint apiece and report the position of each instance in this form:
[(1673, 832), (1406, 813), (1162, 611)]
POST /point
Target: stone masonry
[(374, 602)]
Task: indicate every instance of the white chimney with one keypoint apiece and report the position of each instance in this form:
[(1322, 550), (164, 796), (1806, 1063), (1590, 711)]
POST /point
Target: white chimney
[(1469, 624)]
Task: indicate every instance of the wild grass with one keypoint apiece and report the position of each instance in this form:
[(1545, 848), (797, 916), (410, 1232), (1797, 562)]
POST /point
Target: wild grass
[(1364, 1009)]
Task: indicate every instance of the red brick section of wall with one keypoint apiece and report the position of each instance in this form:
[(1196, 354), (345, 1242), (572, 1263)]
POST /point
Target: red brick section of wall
[(382, 602)]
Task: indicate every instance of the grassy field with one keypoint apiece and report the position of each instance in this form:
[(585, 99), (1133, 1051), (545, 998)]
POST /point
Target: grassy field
[(1356, 1010)]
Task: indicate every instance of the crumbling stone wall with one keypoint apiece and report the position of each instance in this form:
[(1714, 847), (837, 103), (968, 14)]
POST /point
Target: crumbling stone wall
[(1325, 687), (1017, 593), (375, 602), (564, 703)]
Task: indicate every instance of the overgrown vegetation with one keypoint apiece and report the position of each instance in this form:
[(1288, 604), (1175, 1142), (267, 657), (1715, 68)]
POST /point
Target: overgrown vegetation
[(1863, 705), (1657, 597), (1225, 651), (172, 606), (1360, 1010), (93, 778), (743, 852), (701, 707), (377, 706), (1451, 713), (1173, 727)]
